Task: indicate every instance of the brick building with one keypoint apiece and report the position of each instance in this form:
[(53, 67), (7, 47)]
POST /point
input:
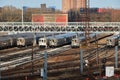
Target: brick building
[(72, 4)]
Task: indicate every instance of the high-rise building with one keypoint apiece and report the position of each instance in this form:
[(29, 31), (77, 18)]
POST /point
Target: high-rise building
[(80, 4), (72, 4), (66, 5)]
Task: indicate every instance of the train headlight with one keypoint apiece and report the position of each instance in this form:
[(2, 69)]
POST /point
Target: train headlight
[(86, 62)]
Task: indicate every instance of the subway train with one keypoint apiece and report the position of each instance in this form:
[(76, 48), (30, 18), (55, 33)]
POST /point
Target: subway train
[(8, 41), (12, 40), (112, 41), (5, 42), (76, 42), (44, 42), (61, 39), (29, 39), (58, 40), (25, 41)]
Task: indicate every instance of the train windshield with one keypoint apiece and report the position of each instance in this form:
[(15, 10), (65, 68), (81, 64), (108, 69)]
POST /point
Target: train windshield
[(43, 40), (75, 40), (52, 40), (110, 40)]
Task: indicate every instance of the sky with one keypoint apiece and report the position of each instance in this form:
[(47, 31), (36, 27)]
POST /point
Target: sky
[(58, 3)]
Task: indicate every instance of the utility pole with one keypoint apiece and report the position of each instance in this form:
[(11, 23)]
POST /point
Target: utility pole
[(81, 61), (45, 66), (97, 54), (0, 68), (32, 59), (116, 56)]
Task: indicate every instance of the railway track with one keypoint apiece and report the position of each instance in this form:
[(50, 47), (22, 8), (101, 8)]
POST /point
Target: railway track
[(65, 63), (36, 68), (12, 51), (25, 59)]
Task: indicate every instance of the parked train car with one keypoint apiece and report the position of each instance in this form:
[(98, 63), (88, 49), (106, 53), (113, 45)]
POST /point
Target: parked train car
[(44, 42), (112, 41), (28, 39), (119, 41), (8, 41), (13, 40), (5, 42), (61, 39), (76, 42), (25, 41)]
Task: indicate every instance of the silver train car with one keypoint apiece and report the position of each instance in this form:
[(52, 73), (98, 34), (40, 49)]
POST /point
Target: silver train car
[(30, 38), (44, 42), (25, 41), (76, 42), (112, 41), (5, 42), (8, 41), (61, 39), (49, 41), (57, 41), (119, 41)]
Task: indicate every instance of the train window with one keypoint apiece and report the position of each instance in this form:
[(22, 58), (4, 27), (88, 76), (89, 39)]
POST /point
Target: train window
[(110, 40), (20, 40), (44, 40), (75, 40), (55, 41), (41, 40), (52, 40)]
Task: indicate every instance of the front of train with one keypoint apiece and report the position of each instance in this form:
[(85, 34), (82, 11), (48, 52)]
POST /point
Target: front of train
[(21, 42), (57, 41), (109, 42), (53, 42), (119, 42), (75, 43), (43, 43)]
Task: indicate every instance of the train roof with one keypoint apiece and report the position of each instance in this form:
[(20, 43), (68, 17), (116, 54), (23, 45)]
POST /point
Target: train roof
[(79, 38), (4, 38), (49, 37), (66, 35), (114, 36), (60, 36)]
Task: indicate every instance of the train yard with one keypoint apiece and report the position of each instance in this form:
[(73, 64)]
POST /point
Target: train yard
[(63, 62)]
